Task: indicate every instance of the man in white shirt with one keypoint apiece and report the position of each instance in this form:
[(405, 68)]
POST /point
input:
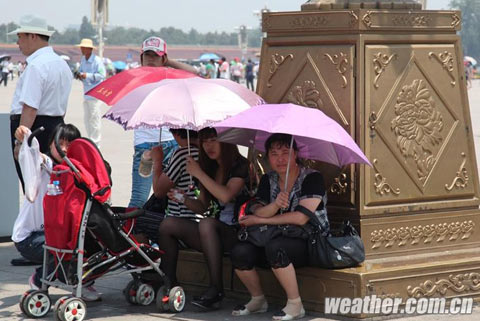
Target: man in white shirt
[(42, 91), (91, 73)]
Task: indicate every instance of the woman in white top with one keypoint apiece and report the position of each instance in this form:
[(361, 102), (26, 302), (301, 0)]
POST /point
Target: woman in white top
[(28, 234)]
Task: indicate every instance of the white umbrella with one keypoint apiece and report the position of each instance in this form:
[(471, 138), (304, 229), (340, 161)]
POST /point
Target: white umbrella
[(470, 59)]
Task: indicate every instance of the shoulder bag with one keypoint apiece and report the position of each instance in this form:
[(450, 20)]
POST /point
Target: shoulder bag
[(333, 252), (260, 235)]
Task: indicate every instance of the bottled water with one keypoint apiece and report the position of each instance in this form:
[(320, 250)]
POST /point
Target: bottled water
[(58, 188), (146, 164), (54, 188)]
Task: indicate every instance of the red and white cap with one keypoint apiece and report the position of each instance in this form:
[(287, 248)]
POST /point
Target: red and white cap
[(155, 44)]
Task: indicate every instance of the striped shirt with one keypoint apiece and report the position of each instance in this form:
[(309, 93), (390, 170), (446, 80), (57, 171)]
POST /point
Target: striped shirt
[(177, 173)]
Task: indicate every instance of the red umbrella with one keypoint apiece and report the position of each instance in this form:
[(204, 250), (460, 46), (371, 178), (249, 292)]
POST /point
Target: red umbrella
[(114, 88)]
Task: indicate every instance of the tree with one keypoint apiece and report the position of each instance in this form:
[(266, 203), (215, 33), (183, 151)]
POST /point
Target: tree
[(86, 29), (68, 37), (470, 22), (254, 37), (3, 31), (134, 36)]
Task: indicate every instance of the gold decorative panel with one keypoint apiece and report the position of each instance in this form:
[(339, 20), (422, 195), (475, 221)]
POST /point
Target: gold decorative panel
[(417, 233), (352, 20), (416, 126), (457, 283)]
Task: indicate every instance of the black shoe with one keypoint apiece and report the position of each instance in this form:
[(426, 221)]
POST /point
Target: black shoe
[(208, 302), (23, 262)]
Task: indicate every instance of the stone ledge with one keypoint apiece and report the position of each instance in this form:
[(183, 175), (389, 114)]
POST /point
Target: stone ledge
[(446, 275)]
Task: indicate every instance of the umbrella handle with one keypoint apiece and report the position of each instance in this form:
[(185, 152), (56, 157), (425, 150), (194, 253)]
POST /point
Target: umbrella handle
[(188, 146), (288, 164), (288, 167)]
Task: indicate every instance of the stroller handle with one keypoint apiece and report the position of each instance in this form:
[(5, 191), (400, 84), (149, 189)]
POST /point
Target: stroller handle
[(126, 216), (33, 134)]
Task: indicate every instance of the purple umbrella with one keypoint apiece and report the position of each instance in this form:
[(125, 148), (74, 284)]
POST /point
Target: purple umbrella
[(317, 136)]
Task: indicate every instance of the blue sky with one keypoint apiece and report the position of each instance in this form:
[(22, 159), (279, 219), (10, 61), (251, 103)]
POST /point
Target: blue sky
[(203, 15)]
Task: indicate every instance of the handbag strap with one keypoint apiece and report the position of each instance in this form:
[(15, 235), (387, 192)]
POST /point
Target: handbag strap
[(313, 218)]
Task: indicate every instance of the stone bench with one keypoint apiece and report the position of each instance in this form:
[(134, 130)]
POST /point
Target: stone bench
[(314, 283)]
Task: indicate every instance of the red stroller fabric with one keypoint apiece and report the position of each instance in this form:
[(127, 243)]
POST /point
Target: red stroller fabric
[(86, 157), (63, 213)]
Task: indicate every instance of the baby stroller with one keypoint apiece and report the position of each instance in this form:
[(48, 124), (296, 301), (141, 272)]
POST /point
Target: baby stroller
[(89, 239)]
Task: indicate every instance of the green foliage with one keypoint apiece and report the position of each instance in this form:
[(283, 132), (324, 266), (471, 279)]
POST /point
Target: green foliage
[(86, 29), (134, 36), (3, 31), (470, 23), (69, 36)]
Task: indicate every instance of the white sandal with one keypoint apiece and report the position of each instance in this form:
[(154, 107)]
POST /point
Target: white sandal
[(242, 310), (283, 316)]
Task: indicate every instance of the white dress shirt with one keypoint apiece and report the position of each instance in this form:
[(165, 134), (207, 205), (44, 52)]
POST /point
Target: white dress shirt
[(44, 85)]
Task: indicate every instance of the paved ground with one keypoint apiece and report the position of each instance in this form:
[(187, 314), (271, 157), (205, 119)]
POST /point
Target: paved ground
[(117, 149)]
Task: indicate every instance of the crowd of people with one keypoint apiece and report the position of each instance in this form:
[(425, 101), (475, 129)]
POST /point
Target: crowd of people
[(8, 68), (236, 70), (203, 181)]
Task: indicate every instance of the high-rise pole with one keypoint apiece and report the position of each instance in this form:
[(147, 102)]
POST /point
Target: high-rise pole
[(100, 23)]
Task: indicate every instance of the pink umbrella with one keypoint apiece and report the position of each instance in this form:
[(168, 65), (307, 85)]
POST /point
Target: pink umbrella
[(116, 87), (317, 136), (192, 103)]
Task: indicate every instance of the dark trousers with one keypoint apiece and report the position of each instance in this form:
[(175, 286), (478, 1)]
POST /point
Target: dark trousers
[(4, 78), (48, 122), (278, 253), (250, 83)]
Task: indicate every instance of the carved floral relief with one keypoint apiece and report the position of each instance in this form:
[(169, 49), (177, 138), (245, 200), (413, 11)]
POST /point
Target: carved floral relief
[(306, 95), (418, 126)]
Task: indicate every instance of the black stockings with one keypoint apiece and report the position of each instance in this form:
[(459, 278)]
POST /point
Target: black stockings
[(216, 238), (171, 230)]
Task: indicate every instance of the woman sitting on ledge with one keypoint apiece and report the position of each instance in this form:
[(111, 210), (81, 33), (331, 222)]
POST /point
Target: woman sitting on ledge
[(282, 254), (222, 174)]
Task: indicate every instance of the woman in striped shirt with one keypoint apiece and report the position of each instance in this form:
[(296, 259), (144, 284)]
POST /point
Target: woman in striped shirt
[(222, 174)]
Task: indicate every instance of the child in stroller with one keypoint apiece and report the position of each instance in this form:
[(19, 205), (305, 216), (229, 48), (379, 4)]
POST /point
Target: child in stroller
[(89, 239)]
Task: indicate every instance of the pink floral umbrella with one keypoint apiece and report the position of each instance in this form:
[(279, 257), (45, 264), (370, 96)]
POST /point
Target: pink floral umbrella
[(192, 103)]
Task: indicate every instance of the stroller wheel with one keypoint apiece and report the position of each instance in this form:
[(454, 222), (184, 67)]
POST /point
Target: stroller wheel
[(130, 292), (36, 304), (22, 300), (162, 299), (176, 299), (73, 309), (145, 294), (57, 308)]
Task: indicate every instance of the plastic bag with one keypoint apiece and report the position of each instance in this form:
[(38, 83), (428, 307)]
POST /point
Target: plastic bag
[(30, 160)]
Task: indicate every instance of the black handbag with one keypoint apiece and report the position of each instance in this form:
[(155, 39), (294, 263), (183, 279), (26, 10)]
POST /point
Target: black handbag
[(260, 235), (333, 252)]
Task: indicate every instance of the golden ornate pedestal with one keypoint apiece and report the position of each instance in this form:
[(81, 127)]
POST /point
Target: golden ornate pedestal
[(392, 75)]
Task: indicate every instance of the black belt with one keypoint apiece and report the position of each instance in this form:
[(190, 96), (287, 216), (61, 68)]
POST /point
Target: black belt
[(17, 117)]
